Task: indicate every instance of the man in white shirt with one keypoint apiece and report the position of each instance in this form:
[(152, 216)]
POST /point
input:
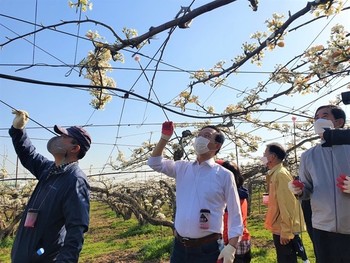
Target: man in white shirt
[(203, 190)]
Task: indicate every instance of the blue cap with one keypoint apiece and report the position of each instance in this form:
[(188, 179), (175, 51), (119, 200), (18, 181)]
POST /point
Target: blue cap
[(78, 133)]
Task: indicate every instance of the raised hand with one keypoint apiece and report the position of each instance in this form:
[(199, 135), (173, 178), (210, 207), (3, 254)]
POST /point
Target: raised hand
[(167, 130), (21, 119)]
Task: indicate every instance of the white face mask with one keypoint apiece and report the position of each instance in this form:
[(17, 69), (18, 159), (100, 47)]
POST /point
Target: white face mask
[(264, 160), (321, 124), (54, 146), (201, 145)]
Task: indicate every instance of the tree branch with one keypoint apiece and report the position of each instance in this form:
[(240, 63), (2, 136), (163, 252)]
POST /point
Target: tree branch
[(133, 42), (263, 45), (133, 203)]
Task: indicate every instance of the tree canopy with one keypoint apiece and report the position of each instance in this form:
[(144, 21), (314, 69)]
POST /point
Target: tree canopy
[(235, 92)]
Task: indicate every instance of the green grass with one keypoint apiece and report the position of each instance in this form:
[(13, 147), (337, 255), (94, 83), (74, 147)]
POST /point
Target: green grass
[(5, 250), (263, 250), (111, 239), (157, 249)]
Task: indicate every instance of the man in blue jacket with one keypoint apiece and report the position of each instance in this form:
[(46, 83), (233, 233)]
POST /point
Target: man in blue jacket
[(57, 214)]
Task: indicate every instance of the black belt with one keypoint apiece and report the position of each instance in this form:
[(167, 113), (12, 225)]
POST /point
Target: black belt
[(196, 242)]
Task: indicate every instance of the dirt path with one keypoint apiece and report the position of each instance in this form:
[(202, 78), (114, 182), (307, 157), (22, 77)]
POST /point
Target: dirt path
[(121, 257)]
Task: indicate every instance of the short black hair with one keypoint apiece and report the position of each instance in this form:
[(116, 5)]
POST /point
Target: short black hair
[(219, 138), (82, 152), (236, 172), (277, 149), (337, 112)]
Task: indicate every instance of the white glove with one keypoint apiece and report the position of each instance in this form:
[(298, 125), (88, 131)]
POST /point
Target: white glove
[(228, 254), (296, 187), (21, 119)]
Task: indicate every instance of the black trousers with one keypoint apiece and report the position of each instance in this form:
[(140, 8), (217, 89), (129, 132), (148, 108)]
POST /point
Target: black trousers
[(285, 253), (306, 206), (331, 247), (244, 258), (207, 253)]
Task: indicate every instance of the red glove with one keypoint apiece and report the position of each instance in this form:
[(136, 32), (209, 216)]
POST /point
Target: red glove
[(298, 183), (296, 186), (344, 183), (167, 130)]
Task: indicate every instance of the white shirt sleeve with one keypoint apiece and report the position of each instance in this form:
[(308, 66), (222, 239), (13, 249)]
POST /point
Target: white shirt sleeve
[(161, 165)]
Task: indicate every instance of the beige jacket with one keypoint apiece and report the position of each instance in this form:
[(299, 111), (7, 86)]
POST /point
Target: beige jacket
[(284, 214)]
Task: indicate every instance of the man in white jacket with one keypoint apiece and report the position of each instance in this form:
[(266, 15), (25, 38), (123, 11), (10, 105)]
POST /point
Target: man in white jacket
[(325, 180)]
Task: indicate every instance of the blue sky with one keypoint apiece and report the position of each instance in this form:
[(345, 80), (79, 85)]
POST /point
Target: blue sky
[(214, 36)]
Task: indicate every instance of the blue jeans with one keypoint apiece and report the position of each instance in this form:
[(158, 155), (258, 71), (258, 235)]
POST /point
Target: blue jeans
[(207, 253)]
